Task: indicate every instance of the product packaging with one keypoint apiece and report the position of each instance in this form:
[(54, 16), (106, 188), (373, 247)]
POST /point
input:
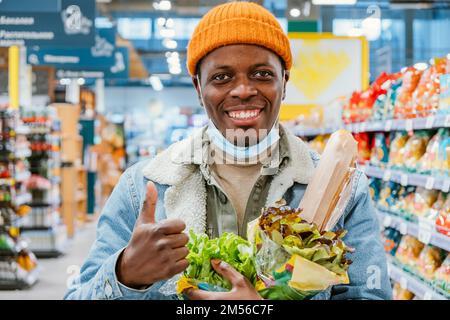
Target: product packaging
[(391, 238), (403, 107), (443, 219), (430, 163), (442, 275), (398, 142), (414, 150), (408, 251), (429, 260), (380, 152), (398, 293), (423, 201), (364, 146)]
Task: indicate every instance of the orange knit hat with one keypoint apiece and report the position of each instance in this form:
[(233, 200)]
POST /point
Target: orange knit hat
[(237, 23)]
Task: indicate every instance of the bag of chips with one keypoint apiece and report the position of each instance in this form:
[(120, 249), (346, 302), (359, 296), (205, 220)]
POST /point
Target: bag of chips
[(414, 150), (400, 138), (408, 251), (429, 260), (380, 152), (442, 275)]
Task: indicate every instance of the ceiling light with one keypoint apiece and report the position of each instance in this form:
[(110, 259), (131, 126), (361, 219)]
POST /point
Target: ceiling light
[(161, 21), (333, 2), (170, 44), (81, 81), (169, 23), (156, 83), (295, 12), (162, 5), (167, 33)]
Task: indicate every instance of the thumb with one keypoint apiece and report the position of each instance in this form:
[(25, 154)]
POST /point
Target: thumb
[(227, 271), (148, 209)]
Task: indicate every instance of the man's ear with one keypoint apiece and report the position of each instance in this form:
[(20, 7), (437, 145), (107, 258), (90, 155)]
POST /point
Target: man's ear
[(196, 83), (286, 79)]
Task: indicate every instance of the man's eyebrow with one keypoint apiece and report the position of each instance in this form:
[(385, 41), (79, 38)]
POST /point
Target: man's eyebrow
[(256, 65)]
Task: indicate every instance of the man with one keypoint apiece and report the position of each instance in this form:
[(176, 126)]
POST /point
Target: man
[(219, 179)]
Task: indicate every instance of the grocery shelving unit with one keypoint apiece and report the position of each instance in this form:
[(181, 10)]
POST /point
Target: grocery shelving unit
[(414, 284), (18, 266), (420, 228), (431, 122), (43, 226)]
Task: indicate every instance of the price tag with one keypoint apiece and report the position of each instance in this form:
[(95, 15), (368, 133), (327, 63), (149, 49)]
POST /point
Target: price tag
[(446, 185), (428, 295), (403, 228), (404, 283), (387, 221), (388, 125), (430, 183), (430, 122), (364, 127), (409, 125), (404, 180), (387, 175), (425, 230), (447, 121)]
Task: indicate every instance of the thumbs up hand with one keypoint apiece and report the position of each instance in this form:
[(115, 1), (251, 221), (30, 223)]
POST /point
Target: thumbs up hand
[(156, 251)]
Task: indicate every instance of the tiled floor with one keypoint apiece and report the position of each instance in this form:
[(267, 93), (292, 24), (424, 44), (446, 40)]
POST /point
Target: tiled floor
[(55, 272)]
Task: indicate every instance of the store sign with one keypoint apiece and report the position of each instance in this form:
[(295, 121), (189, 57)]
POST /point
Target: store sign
[(30, 6), (101, 55), (71, 25), (325, 67), (118, 70)]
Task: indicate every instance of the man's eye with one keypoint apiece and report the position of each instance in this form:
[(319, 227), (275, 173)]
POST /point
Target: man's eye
[(263, 74), (221, 77)]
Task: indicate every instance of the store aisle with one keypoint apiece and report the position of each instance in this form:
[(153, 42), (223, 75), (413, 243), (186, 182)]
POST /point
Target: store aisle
[(55, 272)]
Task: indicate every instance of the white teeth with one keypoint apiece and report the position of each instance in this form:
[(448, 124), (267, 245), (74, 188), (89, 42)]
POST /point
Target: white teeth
[(243, 114)]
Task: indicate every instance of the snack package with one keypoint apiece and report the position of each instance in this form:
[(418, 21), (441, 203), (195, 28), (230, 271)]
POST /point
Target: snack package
[(423, 201), (374, 189), (364, 146), (433, 213), (403, 107), (414, 150), (234, 250), (442, 275), (380, 152), (391, 238), (443, 219), (294, 259), (392, 95), (426, 96), (429, 162), (408, 251), (398, 293), (398, 142), (381, 106), (389, 195), (328, 192), (429, 260), (403, 205)]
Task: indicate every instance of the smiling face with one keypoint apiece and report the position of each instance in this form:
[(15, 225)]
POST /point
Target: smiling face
[(242, 87)]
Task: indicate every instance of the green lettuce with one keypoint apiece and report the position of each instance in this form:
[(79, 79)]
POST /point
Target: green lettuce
[(234, 250)]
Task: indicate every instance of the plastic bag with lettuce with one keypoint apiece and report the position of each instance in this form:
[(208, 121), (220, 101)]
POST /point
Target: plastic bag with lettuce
[(290, 253), (297, 254)]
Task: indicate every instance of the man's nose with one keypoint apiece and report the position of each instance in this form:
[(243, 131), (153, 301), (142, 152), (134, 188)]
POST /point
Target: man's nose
[(243, 90)]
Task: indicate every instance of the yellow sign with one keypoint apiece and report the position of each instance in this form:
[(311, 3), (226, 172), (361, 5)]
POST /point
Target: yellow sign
[(325, 67)]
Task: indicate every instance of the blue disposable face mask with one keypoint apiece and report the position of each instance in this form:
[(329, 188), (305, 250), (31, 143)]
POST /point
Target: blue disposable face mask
[(238, 152)]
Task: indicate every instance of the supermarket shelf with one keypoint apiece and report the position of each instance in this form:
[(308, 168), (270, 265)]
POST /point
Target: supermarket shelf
[(30, 279), (424, 234), (412, 179), (432, 122), (413, 284), (22, 199), (48, 253)]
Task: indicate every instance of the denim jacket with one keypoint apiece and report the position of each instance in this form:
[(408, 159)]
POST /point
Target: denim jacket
[(182, 194)]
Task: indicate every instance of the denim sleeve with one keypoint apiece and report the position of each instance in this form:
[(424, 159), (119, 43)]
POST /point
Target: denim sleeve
[(97, 279), (368, 273)]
